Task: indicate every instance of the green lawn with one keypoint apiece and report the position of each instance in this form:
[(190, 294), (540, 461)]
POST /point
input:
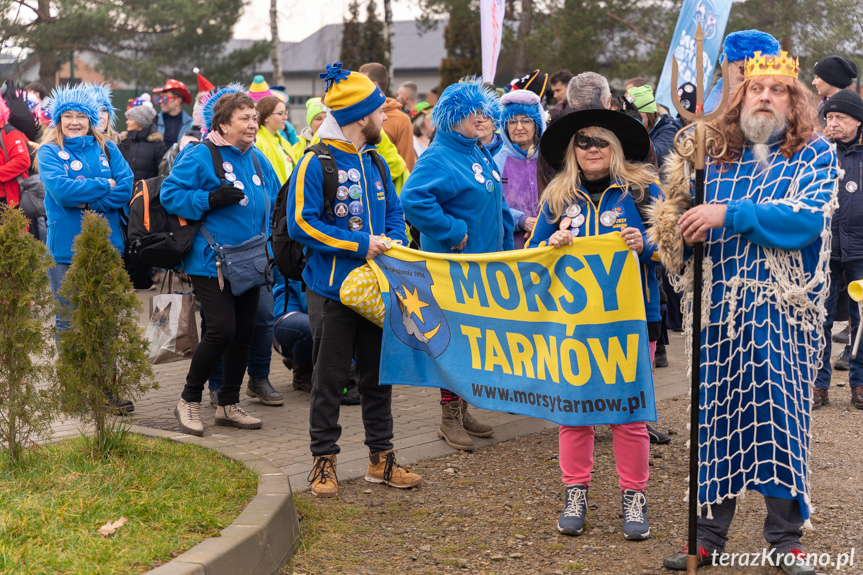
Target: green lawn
[(174, 495)]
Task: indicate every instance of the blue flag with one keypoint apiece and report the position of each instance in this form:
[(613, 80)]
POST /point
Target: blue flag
[(713, 17)]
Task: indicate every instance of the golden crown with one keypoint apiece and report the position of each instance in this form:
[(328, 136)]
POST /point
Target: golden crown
[(781, 65)]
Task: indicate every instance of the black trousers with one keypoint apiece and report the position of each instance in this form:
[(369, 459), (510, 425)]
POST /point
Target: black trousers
[(230, 325), (339, 335)]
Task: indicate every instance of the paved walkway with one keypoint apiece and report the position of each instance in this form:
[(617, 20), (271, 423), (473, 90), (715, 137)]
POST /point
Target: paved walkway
[(284, 438)]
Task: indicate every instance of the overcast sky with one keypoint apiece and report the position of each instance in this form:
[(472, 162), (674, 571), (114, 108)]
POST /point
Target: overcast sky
[(301, 18)]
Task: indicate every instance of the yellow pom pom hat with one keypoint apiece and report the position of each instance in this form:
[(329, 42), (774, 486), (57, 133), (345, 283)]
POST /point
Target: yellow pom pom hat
[(350, 96)]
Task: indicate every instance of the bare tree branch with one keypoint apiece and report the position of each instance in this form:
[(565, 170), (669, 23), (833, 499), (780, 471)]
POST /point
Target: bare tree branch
[(638, 32)]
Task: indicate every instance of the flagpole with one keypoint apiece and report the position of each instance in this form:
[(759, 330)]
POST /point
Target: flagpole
[(698, 154)]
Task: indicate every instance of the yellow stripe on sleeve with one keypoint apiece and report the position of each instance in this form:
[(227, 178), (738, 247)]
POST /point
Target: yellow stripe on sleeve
[(313, 232)]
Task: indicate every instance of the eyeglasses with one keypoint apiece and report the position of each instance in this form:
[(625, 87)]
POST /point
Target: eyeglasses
[(165, 99), (586, 142), (68, 116), (480, 115), (513, 122)]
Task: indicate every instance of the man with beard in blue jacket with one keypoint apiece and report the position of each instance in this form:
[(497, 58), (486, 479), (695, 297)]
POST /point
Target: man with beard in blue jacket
[(339, 240)]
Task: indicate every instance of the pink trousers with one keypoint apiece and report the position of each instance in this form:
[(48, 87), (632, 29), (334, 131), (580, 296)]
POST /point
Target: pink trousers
[(631, 452)]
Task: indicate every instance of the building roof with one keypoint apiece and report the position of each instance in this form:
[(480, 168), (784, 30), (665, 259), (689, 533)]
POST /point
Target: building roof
[(413, 50)]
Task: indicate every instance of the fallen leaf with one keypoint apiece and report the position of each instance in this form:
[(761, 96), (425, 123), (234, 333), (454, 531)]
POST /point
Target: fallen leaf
[(109, 528)]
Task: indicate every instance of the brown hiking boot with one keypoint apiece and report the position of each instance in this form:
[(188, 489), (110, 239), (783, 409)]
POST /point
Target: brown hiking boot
[(472, 426), (857, 396), (451, 428), (323, 479), (820, 397), (383, 468)]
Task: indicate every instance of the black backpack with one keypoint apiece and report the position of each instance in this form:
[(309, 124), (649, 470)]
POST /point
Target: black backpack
[(289, 254), (154, 236)]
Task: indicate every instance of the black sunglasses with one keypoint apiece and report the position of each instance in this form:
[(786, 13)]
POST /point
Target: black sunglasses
[(586, 142)]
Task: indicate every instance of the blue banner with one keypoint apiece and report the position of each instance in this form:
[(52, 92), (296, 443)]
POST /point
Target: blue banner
[(558, 334), (713, 17)]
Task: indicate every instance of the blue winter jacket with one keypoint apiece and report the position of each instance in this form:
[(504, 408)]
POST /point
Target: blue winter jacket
[(335, 248), (187, 123), (186, 193), (68, 192), (848, 219), (617, 199), (453, 191), (662, 135)]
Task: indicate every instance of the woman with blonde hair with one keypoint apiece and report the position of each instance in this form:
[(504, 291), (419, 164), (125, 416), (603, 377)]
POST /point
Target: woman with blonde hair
[(601, 184), (81, 170)]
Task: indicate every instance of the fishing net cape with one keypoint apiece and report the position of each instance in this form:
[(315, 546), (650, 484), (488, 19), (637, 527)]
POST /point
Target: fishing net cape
[(763, 310)]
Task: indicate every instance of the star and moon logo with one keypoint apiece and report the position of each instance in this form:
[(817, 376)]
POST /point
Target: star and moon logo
[(420, 323)]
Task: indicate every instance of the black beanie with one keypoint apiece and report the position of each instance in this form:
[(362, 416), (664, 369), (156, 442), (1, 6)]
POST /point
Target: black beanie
[(836, 71), (845, 102)]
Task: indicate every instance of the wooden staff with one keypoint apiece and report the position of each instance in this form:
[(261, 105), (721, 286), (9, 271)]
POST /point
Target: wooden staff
[(697, 153)]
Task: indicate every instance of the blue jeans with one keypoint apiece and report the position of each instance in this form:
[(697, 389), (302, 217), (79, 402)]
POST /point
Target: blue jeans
[(55, 277), (853, 272), (262, 342), (294, 334)]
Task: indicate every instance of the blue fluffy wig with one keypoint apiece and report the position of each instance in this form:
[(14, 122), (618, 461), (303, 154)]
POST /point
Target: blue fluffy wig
[(210, 102), (741, 45), (103, 97), (522, 103), (80, 98), (459, 100)]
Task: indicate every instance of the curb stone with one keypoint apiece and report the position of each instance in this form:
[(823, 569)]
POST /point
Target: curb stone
[(260, 540)]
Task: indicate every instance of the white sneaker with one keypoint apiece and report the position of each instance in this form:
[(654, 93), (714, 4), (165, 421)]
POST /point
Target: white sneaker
[(236, 416), (189, 416)]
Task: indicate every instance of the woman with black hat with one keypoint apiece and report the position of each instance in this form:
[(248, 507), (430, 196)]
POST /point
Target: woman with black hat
[(601, 183)]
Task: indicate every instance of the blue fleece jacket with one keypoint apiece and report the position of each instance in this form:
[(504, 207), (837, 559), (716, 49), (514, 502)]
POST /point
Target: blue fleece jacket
[(335, 248), (453, 191), (69, 192), (186, 193), (615, 198)]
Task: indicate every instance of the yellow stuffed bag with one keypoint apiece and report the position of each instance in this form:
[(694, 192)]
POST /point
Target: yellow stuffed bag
[(361, 292)]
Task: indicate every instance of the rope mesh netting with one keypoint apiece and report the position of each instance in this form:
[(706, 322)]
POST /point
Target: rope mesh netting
[(763, 310)]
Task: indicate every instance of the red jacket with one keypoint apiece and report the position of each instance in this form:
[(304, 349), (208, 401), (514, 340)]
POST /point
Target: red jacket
[(13, 163)]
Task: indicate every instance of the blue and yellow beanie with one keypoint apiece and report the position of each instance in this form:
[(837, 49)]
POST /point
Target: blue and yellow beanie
[(350, 96)]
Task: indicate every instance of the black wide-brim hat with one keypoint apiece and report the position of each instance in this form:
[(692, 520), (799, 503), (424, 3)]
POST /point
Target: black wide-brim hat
[(629, 131)]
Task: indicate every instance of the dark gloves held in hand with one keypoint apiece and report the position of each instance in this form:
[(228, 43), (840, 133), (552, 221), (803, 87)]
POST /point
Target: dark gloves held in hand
[(226, 195)]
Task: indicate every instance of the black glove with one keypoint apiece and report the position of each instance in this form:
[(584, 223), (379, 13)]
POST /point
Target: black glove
[(226, 195)]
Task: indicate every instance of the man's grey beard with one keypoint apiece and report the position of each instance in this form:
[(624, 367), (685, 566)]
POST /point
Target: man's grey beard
[(758, 128)]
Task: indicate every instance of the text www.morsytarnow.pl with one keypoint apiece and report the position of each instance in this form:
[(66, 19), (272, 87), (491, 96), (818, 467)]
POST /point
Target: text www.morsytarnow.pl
[(555, 403)]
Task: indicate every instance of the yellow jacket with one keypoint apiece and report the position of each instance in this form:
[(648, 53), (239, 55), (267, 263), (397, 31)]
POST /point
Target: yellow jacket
[(278, 151)]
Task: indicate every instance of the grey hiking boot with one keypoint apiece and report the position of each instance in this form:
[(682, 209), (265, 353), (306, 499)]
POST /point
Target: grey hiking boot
[(189, 415), (635, 527), (843, 363), (260, 388), (236, 416), (657, 436), (571, 521), (451, 428), (472, 426)]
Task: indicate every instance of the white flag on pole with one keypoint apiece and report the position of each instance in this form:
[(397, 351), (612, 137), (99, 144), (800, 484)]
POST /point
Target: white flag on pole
[(491, 25)]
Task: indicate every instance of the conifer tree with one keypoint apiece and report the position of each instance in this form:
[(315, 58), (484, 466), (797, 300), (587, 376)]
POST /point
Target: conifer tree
[(27, 407), (352, 38), (103, 356)]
